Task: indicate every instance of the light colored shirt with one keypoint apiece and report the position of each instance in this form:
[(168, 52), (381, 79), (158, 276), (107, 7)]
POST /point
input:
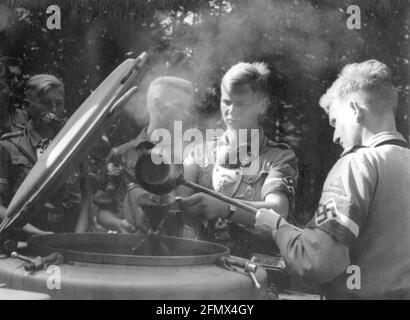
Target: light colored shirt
[(362, 221)]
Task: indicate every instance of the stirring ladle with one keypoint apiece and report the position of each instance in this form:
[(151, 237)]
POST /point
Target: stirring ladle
[(156, 174)]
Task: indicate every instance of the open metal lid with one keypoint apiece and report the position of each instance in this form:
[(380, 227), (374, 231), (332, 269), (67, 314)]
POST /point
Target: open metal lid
[(75, 139)]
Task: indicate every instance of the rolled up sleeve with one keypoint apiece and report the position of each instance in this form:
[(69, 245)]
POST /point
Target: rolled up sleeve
[(282, 175), (312, 254)]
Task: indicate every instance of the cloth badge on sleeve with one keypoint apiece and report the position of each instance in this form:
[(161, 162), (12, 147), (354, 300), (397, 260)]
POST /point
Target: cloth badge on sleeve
[(289, 183), (226, 181), (328, 212), (336, 187)]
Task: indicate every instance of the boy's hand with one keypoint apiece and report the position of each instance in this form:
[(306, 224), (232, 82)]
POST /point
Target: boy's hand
[(201, 204), (114, 170), (125, 227), (268, 221)]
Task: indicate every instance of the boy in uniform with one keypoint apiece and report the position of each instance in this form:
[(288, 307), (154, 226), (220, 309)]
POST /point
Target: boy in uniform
[(357, 244), (241, 163)]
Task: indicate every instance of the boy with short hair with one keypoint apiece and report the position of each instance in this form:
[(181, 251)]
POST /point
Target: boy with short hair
[(243, 163)]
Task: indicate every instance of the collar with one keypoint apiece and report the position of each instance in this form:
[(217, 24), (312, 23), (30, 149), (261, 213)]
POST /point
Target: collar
[(382, 137), (376, 140)]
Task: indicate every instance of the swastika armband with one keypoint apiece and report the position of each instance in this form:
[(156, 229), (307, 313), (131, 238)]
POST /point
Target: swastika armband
[(338, 217)]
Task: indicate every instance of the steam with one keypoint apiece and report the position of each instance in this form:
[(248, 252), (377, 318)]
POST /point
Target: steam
[(295, 30), (302, 37)]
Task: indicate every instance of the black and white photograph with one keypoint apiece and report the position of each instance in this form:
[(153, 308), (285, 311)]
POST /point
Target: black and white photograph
[(204, 155)]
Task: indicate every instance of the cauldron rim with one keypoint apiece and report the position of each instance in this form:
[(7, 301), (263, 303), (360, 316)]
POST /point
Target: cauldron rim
[(42, 245)]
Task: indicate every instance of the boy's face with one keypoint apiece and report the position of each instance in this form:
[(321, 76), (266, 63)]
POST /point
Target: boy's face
[(343, 118), (47, 106), (241, 108), (168, 104), (14, 78), (50, 101)]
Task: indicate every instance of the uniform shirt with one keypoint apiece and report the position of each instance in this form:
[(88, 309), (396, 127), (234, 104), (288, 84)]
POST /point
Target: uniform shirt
[(120, 193), (18, 154), (277, 172), (363, 220), (113, 188), (19, 150)]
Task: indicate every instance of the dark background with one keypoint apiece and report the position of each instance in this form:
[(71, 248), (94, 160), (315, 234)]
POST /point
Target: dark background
[(305, 43)]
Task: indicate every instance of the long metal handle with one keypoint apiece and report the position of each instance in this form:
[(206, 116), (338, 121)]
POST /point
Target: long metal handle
[(214, 194)]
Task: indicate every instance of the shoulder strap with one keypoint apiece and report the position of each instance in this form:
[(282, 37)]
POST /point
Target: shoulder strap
[(395, 142), (12, 135), (23, 152)]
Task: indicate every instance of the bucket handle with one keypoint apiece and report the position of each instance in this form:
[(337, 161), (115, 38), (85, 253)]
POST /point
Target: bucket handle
[(248, 266)]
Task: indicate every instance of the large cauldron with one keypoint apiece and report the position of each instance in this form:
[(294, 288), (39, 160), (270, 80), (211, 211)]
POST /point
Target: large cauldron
[(103, 266)]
